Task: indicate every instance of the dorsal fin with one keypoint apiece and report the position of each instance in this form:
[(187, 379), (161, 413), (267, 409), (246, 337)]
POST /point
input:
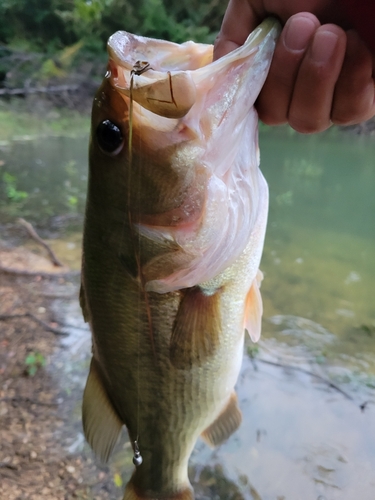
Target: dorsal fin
[(254, 309), (101, 423), (226, 423), (196, 329)]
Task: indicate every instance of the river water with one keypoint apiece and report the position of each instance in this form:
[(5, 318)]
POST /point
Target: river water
[(307, 390)]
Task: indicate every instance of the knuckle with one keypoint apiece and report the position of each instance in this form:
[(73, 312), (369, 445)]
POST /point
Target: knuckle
[(309, 126), (272, 111), (353, 104), (350, 117), (270, 119)]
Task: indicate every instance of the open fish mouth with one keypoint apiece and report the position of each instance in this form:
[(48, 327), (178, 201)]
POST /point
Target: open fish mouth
[(169, 76), (194, 120)]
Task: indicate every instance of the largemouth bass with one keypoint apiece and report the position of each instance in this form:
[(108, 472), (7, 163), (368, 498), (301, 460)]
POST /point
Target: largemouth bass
[(174, 228)]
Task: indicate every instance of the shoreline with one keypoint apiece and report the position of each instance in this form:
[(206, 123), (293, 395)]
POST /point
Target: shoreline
[(68, 114)]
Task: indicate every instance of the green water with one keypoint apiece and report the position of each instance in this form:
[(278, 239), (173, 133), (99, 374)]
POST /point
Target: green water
[(319, 256), (300, 438)]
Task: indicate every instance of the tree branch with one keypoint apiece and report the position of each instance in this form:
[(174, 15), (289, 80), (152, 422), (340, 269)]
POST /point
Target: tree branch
[(46, 326), (35, 236)]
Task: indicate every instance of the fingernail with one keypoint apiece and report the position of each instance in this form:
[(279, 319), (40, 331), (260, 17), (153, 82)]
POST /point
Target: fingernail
[(298, 33), (323, 46)]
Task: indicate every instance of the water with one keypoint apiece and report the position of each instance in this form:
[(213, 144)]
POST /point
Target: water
[(43, 180), (300, 437), (319, 257)]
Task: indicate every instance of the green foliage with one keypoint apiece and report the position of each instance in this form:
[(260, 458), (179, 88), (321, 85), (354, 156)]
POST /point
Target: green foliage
[(321, 359), (285, 199), (117, 480), (72, 202), (303, 168), (50, 25), (253, 351), (45, 41), (158, 21), (369, 330), (36, 21), (16, 122), (34, 361), (10, 187)]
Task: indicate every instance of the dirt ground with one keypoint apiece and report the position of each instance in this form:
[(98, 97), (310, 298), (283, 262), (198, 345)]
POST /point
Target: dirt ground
[(36, 409), (33, 463)]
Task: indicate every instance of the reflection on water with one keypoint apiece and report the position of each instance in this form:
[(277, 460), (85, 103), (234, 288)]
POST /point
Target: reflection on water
[(319, 254), (43, 180), (300, 439)]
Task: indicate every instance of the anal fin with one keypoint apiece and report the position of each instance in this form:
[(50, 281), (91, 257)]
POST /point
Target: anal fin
[(254, 309), (225, 425), (196, 329), (101, 423)]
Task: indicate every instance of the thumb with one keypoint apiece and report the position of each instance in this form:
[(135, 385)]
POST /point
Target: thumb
[(239, 21)]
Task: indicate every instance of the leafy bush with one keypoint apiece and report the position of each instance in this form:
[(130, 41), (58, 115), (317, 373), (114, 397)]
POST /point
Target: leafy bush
[(50, 25), (48, 41)]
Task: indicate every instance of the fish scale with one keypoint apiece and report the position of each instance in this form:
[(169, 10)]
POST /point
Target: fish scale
[(170, 275)]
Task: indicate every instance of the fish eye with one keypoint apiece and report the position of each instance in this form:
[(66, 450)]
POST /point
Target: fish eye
[(109, 137)]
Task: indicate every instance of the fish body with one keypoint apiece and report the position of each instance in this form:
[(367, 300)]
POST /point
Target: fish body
[(174, 229)]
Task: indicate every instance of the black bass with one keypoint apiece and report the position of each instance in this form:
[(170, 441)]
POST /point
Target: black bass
[(174, 229)]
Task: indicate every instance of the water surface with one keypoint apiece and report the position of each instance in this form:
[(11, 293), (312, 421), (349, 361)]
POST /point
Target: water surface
[(300, 437)]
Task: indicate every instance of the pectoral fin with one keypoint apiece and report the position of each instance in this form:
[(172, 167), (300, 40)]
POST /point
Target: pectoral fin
[(196, 329), (254, 309), (101, 424), (226, 423)]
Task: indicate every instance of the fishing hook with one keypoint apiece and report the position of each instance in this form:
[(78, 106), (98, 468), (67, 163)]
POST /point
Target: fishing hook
[(137, 459), (140, 67)]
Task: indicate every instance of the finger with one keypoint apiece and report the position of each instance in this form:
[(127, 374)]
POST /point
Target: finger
[(310, 107), (239, 20), (354, 97), (273, 102)]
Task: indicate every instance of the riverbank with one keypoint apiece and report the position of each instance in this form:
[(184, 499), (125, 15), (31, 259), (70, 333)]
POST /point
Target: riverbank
[(44, 116), (38, 457), (318, 266), (34, 117)]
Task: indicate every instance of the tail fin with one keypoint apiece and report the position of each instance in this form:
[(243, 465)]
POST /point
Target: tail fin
[(132, 494)]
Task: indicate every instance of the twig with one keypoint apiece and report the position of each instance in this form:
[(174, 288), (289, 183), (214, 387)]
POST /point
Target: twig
[(56, 331), (34, 235), (68, 325), (57, 89), (56, 295), (364, 405), (312, 374), (43, 274), (21, 399), (6, 465)]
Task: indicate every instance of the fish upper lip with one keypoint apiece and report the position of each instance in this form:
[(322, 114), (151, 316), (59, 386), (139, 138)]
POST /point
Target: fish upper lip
[(120, 46), (170, 69)]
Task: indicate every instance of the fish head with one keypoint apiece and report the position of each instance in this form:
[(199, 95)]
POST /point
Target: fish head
[(168, 140), (150, 181)]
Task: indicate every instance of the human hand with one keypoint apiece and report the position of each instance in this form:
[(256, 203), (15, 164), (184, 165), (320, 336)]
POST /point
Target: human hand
[(320, 73)]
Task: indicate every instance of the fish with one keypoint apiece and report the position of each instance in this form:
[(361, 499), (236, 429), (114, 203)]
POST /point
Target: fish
[(174, 228)]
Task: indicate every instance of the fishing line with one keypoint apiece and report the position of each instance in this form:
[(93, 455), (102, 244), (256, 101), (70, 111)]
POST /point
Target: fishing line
[(138, 69)]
